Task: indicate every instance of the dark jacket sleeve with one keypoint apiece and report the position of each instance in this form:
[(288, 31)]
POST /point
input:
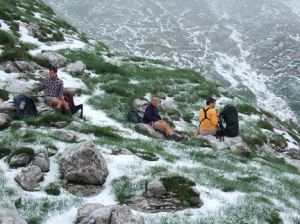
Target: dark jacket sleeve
[(151, 115)]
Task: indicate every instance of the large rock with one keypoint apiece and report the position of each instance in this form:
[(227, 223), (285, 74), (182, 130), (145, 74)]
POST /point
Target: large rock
[(33, 29), (8, 107), (77, 68), (17, 86), (21, 159), (235, 144), (149, 129), (70, 135), (27, 66), (8, 65), (3, 118), (140, 104), (161, 95), (83, 163), (55, 59), (156, 189), (29, 178), (167, 105), (225, 92), (8, 216), (113, 215), (87, 190), (42, 160), (85, 210)]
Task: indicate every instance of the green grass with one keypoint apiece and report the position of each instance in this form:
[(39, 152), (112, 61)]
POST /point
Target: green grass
[(4, 94), (265, 124), (52, 189), (123, 188), (46, 119), (181, 186), (4, 152), (27, 150)]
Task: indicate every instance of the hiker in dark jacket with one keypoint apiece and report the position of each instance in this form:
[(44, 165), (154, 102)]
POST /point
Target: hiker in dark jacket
[(53, 89), (153, 118)]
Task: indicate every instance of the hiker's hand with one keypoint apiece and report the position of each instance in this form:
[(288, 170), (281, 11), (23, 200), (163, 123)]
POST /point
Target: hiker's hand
[(218, 114), (28, 91), (62, 98)]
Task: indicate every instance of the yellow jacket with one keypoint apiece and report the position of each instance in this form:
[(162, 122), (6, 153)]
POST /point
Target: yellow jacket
[(211, 124)]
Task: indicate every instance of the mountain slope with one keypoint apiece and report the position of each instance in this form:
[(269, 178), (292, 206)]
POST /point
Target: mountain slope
[(261, 188)]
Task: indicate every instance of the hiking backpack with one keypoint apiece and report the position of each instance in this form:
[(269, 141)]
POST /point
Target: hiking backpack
[(220, 130), (135, 116), (230, 116), (205, 115), (25, 107), (69, 99)]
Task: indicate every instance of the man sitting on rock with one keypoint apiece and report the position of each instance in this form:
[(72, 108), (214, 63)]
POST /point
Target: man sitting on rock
[(153, 118), (208, 118), (53, 90)]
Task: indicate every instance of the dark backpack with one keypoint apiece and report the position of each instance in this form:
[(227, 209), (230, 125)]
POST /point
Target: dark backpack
[(69, 99), (28, 108), (205, 115), (230, 116), (221, 132), (135, 116)]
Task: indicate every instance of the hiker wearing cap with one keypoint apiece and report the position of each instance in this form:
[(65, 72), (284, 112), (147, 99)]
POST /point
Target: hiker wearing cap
[(208, 118), (153, 118), (53, 89)]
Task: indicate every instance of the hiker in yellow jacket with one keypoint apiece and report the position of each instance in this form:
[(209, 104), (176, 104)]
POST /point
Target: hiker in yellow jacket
[(208, 118)]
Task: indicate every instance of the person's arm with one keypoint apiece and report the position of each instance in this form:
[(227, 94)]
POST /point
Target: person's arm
[(37, 89)]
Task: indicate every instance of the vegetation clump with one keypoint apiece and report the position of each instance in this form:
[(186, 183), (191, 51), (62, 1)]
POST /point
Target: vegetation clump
[(4, 152), (182, 187), (52, 189), (4, 94), (265, 124)]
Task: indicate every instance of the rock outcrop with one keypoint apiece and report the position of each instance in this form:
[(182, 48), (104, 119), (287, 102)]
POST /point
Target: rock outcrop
[(83, 163), (8, 216), (42, 160), (76, 68), (55, 59), (29, 178)]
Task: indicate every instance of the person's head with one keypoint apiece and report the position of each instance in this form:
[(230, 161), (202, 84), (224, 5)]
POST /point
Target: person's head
[(53, 72), (211, 102), (154, 101)]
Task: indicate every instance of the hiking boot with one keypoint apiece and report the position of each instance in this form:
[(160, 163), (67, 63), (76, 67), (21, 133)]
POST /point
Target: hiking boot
[(177, 138), (68, 113), (57, 111)]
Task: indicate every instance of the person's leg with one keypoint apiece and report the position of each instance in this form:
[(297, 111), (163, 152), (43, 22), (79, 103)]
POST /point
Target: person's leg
[(65, 105), (163, 127), (57, 102), (196, 133)]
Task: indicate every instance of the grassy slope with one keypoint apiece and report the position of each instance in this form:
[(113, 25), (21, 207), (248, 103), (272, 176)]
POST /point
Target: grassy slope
[(262, 185)]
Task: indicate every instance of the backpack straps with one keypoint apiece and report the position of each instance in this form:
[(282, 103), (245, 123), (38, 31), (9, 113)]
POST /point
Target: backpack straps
[(205, 115)]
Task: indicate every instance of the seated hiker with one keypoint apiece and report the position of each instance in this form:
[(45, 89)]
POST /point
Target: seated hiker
[(153, 118), (208, 118), (53, 90)]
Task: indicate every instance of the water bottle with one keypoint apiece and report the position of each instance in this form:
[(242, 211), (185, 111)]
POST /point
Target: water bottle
[(22, 105)]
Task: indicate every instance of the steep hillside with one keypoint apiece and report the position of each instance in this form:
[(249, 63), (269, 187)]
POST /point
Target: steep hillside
[(260, 186), (250, 47)]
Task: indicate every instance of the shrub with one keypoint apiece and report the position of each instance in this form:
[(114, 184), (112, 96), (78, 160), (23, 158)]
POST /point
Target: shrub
[(181, 186), (52, 189), (7, 70), (4, 94), (247, 109), (265, 125), (4, 152)]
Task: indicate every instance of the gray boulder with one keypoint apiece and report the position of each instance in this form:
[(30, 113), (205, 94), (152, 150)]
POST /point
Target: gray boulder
[(29, 178), (3, 118), (85, 210), (27, 66), (167, 105), (8, 108), (70, 135), (161, 95), (42, 160), (115, 214), (77, 68), (8, 216), (33, 29), (156, 189), (21, 159), (83, 163), (140, 104), (225, 92), (149, 129), (8, 65), (55, 59), (17, 86), (235, 144)]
